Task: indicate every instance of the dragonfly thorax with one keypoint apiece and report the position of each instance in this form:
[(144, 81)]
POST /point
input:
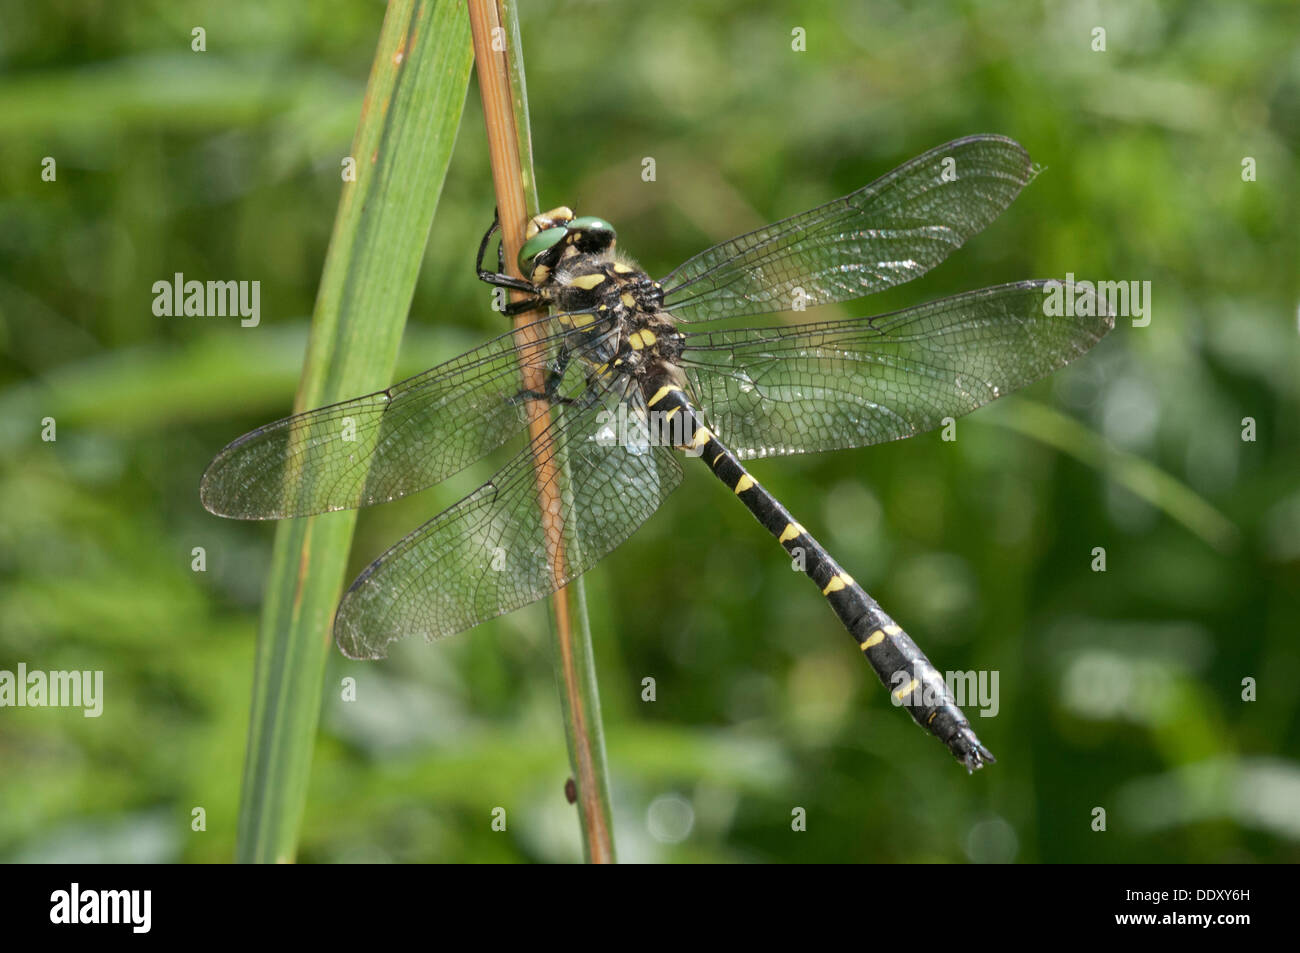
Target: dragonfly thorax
[(614, 312)]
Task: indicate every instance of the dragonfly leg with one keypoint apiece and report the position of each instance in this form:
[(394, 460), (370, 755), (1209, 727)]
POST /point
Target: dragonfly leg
[(554, 376), (501, 248), (482, 246), (512, 308), (499, 278), (524, 395)]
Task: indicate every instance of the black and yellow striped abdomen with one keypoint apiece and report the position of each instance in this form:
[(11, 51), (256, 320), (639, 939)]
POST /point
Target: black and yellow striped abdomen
[(903, 668)]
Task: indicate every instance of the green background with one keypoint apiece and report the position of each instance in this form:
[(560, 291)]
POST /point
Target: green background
[(1119, 690)]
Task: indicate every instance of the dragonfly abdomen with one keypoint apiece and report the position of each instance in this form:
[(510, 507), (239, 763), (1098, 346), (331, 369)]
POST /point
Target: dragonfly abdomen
[(912, 680)]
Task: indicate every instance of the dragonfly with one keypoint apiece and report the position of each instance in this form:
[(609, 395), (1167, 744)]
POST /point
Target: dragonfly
[(632, 375)]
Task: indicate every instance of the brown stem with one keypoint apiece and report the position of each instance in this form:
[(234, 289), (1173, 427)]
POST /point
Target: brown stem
[(499, 68)]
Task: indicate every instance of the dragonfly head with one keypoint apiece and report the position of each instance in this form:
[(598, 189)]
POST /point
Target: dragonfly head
[(551, 234)]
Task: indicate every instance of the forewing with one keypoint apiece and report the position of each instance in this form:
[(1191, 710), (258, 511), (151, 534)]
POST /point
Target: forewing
[(381, 446), (491, 552), (836, 384), (889, 232)]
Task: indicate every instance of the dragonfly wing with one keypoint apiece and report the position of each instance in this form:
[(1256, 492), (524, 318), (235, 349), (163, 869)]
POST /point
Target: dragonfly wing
[(836, 384), (489, 554), (889, 232), (381, 446)]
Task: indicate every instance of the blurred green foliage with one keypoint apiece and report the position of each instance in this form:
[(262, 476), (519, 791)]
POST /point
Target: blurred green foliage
[(1120, 690)]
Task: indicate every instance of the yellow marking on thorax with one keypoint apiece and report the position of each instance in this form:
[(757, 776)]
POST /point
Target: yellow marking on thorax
[(641, 339), (841, 581), (627, 300), (791, 531), (623, 269), (661, 393), (906, 689), (541, 273), (746, 482), (587, 282), (874, 639)]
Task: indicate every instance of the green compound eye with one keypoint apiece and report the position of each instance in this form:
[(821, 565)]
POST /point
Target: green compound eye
[(593, 225), (539, 243)]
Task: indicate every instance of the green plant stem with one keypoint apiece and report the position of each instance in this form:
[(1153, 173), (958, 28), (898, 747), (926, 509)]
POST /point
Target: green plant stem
[(412, 109)]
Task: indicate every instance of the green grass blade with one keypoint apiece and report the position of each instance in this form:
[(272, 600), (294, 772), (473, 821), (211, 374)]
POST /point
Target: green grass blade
[(412, 109), (1176, 499)]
